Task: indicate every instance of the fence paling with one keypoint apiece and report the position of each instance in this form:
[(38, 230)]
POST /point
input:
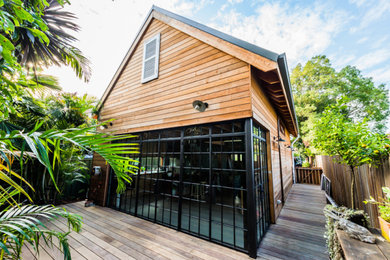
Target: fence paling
[(308, 175), (369, 182)]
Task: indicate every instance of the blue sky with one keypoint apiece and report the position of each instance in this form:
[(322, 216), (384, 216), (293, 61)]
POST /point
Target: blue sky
[(354, 32)]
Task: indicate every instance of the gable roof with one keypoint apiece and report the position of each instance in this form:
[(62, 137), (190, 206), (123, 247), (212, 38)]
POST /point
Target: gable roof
[(226, 37), (256, 56)]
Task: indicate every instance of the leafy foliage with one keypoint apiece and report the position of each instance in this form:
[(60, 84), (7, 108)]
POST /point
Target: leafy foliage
[(353, 144), (20, 225), (34, 33), (317, 85), (383, 205)]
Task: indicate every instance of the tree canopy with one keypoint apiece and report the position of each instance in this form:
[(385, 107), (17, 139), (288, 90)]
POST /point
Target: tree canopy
[(353, 144), (317, 85)]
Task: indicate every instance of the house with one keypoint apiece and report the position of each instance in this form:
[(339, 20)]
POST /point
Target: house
[(213, 116)]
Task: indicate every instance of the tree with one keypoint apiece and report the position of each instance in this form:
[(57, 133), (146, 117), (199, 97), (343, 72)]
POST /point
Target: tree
[(25, 33), (353, 144), (316, 85), (57, 47)]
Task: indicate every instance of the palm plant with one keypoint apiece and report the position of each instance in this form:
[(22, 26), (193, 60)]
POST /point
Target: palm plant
[(25, 224), (20, 224), (32, 34), (58, 47)]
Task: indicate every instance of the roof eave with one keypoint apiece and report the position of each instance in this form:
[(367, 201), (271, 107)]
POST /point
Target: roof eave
[(285, 80)]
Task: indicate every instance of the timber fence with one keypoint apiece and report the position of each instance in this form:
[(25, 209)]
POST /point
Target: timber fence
[(308, 175), (369, 182)]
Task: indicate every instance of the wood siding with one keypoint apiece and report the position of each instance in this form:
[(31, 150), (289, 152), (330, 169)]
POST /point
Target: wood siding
[(99, 183), (265, 115), (369, 182), (193, 70), (188, 70)]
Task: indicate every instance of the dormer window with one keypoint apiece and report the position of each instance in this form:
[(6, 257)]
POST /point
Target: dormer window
[(151, 59)]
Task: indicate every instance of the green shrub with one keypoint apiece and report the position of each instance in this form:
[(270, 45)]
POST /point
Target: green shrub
[(306, 164), (384, 205), (332, 242)]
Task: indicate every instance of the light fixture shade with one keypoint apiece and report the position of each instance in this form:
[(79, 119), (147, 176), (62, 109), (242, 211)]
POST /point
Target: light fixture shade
[(199, 105), (281, 140)]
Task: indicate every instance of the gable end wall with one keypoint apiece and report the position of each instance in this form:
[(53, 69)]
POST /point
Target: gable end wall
[(188, 70)]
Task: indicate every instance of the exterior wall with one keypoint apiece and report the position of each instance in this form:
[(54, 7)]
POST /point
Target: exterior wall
[(192, 70), (188, 70), (265, 115)]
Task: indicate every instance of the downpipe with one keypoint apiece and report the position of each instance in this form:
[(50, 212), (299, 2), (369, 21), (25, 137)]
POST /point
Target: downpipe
[(293, 159)]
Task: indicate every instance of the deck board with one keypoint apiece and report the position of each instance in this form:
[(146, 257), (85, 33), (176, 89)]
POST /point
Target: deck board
[(299, 230), (110, 234)]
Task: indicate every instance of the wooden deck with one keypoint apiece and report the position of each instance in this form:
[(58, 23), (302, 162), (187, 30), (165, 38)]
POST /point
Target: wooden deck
[(109, 234), (299, 230)]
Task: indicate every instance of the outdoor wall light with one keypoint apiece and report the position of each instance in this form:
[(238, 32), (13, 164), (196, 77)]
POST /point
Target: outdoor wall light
[(199, 105), (103, 127), (278, 140)]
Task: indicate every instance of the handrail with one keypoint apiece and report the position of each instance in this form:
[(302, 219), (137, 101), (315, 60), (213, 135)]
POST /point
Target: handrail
[(326, 185)]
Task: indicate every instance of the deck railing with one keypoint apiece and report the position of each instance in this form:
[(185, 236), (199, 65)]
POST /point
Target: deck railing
[(308, 175)]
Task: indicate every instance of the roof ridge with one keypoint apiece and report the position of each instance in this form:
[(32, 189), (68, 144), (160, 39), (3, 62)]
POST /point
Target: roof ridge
[(224, 36)]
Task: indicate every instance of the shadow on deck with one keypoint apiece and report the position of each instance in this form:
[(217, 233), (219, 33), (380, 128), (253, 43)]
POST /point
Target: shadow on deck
[(110, 234), (299, 230)]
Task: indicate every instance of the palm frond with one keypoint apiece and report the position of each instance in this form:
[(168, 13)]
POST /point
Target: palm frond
[(42, 144), (26, 224), (60, 49)]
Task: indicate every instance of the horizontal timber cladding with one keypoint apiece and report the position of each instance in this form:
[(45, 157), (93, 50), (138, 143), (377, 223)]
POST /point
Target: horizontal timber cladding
[(264, 113), (188, 70)]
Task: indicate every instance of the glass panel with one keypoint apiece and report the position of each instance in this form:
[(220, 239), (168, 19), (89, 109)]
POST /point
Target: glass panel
[(261, 182), (213, 181)]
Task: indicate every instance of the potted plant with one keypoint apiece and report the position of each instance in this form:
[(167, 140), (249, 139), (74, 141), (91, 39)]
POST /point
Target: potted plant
[(384, 211)]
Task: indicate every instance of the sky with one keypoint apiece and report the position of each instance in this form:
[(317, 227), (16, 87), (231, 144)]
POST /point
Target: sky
[(349, 32)]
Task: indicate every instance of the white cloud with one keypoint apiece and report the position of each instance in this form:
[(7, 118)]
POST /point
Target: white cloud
[(379, 43), (375, 11), (372, 59), (357, 2), (339, 61), (300, 32), (381, 75), (235, 1), (362, 40)]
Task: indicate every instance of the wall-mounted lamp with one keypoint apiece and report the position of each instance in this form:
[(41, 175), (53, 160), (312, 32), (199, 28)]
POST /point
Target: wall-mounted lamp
[(199, 105), (103, 127), (278, 140), (97, 170)]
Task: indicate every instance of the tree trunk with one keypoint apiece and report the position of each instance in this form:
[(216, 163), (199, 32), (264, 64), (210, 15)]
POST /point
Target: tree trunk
[(311, 161), (352, 187)]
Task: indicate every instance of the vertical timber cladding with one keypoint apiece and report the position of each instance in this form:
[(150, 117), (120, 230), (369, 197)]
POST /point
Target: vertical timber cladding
[(264, 114), (188, 70), (195, 179)]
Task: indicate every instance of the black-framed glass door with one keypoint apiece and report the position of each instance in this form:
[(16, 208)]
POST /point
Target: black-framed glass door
[(194, 179), (260, 163)]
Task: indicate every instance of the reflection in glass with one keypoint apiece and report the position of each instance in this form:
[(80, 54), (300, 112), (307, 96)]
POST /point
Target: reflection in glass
[(200, 173)]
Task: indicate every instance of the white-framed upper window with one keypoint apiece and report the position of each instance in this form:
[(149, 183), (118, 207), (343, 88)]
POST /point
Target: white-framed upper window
[(151, 58)]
